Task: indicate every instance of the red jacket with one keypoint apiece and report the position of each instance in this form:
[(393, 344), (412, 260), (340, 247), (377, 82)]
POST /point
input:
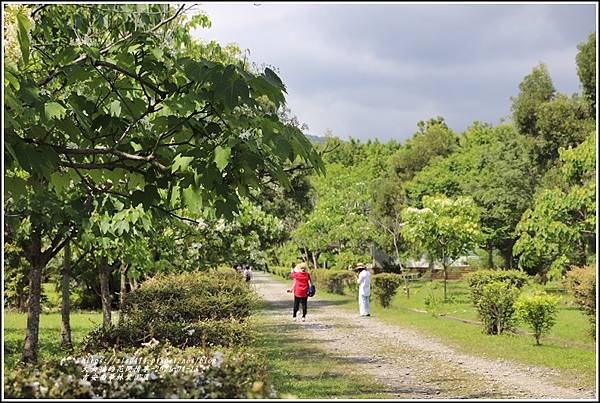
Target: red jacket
[(301, 284)]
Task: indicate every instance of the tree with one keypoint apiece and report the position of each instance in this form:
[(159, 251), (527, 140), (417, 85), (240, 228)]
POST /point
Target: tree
[(434, 139), (561, 122), (118, 102), (446, 229), (494, 166), (586, 70), (558, 231), (535, 89)]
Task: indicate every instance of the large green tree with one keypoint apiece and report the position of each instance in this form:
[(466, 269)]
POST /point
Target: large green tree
[(119, 99), (433, 139), (586, 69), (535, 89), (559, 230)]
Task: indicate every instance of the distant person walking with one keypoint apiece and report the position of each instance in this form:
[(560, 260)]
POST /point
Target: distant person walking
[(300, 282), (248, 273), (364, 289)]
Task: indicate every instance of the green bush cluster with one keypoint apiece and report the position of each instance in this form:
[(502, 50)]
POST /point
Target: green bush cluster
[(205, 333), (494, 293), (147, 373), (188, 309), (581, 282), (385, 287), (334, 281), (283, 272), (538, 311)]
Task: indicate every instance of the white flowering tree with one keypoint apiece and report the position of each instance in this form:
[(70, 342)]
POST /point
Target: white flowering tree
[(444, 228)]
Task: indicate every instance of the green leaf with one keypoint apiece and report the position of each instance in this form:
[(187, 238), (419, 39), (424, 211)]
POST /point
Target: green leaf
[(104, 227), (136, 147), (92, 53), (191, 198), (273, 79), (24, 25), (222, 157), (14, 186), (11, 79), (181, 163), (59, 181), (158, 53), (195, 71), (115, 108), (54, 110)]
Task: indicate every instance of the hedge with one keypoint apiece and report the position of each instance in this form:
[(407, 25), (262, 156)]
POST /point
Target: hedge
[(146, 373)]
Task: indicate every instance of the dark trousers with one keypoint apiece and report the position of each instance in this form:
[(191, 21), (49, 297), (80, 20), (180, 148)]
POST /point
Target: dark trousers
[(297, 302)]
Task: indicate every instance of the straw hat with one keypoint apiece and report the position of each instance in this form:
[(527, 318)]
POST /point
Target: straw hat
[(301, 267)]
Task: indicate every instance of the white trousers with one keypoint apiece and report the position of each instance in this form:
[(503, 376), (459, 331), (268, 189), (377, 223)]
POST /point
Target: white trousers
[(363, 305)]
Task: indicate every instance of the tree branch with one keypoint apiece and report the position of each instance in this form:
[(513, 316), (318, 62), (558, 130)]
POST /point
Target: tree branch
[(106, 49)]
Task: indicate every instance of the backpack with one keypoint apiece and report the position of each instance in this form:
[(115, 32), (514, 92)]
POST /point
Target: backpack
[(311, 288)]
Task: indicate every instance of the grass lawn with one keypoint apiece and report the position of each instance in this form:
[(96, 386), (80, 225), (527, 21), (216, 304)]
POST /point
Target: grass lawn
[(299, 369), (49, 339), (577, 364)]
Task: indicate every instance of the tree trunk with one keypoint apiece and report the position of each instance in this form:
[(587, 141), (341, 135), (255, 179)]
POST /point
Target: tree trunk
[(490, 256), (35, 290), (22, 300), (105, 291), (445, 282), (314, 260), (430, 268), (122, 291), (65, 330)]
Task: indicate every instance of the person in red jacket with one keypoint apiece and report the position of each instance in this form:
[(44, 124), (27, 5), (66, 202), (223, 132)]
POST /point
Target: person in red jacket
[(300, 282)]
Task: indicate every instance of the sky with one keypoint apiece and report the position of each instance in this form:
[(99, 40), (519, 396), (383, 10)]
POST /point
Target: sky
[(374, 70)]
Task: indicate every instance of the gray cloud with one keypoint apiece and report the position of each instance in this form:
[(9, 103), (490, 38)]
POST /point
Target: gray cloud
[(375, 70)]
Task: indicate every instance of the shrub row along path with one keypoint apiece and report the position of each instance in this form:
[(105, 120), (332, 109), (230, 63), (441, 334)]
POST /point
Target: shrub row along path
[(409, 364)]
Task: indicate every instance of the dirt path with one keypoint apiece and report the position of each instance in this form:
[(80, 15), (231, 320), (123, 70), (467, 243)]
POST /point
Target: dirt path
[(411, 364)]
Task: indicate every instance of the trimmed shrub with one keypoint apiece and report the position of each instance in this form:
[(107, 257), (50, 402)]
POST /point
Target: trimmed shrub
[(582, 284), (385, 286), (538, 311), (188, 309), (148, 373), (190, 297), (496, 306), (206, 333), (334, 281)]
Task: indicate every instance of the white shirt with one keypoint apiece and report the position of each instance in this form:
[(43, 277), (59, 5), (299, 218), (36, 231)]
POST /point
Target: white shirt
[(364, 283)]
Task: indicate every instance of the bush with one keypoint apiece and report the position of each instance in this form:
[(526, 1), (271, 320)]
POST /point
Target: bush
[(385, 286), (190, 297), (152, 373), (496, 306), (582, 284), (206, 333), (538, 311), (334, 281), (189, 309), (480, 278), (496, 309)]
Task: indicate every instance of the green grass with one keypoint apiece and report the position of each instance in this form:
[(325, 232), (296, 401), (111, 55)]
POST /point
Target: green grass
[(300, 369), (49, 337), (577, 364)]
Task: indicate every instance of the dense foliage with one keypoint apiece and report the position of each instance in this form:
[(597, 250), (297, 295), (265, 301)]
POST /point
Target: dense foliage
[(188, 309), (146, 373)]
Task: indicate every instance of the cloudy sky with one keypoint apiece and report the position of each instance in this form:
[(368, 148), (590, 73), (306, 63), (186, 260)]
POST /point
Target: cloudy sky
[(374, 70)]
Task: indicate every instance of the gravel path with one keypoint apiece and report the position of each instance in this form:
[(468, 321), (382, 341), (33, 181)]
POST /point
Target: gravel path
[(410, 364)]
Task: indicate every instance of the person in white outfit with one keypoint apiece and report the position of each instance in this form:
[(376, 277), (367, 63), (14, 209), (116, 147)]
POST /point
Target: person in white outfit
[(364, 289)]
